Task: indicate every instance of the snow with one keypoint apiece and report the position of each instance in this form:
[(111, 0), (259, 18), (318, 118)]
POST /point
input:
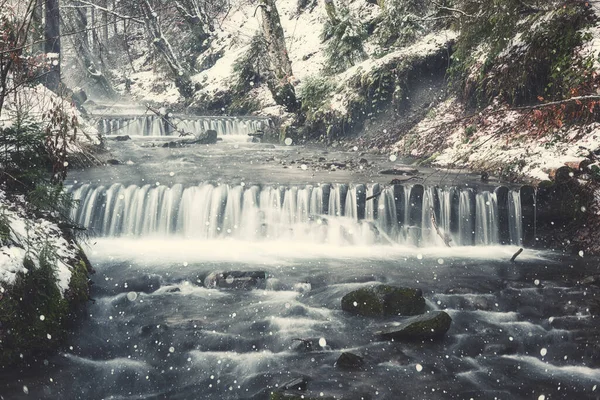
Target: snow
[(28, 237), (492, 146), (37, 103)]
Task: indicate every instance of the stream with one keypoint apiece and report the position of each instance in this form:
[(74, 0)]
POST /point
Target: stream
[(166, 218)]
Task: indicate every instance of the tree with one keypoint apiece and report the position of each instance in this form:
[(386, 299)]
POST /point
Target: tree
[(154, 31), (280, 71), (52, 44)]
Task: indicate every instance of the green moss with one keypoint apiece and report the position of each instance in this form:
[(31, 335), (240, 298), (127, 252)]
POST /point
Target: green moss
[(384, 300), (545, 63), (427, 326), (33, 312)]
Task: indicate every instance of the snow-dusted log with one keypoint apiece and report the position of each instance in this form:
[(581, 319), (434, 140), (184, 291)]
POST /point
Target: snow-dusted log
[(182, 78), (280, 71)]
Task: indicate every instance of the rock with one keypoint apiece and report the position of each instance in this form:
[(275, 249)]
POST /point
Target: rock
[(384, 300), (399, 170), (312, 344), (122, 138), (432, 325), (79, 96), (349, 361), (591, 280), (207, 137), (363, 161), (112, 161), (236, 280), (299, 384), (144, 284)]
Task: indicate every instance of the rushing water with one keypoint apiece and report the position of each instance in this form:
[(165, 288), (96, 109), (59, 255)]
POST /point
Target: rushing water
[(520, 330), (153, 125)]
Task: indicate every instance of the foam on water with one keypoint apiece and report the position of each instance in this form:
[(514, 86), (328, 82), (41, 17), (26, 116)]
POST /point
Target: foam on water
[(280, 252)]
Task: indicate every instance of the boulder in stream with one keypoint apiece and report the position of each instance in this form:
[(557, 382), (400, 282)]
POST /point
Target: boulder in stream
[(349, 361), (384, 300), (432, 325), (236, 280), (122, 138)]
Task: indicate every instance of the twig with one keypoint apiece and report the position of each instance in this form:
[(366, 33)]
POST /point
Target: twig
[(514, 257), (456, 10), (374, 196), (171, 124)]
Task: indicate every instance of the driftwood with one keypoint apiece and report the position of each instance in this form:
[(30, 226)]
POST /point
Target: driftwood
[(444, 237), (514, 257), (374, 196)]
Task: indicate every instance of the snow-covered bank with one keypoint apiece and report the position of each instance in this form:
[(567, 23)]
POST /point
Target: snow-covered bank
[(495, 141), (43, 281)]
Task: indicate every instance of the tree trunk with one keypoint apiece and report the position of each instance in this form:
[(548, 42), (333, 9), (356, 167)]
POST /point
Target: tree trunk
[(52, 44), (280, 73), (77, 22), (105, 24), (182, 78)]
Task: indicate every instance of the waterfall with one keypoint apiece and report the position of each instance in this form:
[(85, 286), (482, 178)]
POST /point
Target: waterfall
[(409, 215), (486, 214), (515, 219), (153, 125)]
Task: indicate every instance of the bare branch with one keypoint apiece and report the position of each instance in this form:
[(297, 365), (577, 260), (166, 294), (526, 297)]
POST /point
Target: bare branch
[(113, 13), (455, 10)]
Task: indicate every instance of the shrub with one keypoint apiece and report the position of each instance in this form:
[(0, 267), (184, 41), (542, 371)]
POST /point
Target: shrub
[(345, 37), (314, 92), (402, 21), (250, 69)]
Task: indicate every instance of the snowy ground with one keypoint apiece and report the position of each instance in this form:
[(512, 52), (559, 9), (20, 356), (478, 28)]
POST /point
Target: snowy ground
[(27, 238), (37, 103)]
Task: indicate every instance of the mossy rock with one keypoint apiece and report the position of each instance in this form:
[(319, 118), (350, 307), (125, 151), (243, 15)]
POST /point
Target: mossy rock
[(34, 315), (432, 325), (384, 300)]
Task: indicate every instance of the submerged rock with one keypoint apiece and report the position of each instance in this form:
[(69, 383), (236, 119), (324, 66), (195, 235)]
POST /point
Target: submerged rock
[(591, 280), (144, 284), (432, 325), (236, 280), (122, 138), (384, 300), (349, 361)]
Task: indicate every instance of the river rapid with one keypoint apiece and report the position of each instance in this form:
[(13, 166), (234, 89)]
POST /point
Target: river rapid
[(521, 330)]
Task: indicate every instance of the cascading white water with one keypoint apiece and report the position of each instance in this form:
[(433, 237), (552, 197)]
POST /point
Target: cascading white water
[(486, 218), (152, 125), (297, 213), (515, 224)]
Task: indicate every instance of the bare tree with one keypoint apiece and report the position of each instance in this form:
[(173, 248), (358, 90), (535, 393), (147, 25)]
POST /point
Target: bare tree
[(280, 72), (154, 31)]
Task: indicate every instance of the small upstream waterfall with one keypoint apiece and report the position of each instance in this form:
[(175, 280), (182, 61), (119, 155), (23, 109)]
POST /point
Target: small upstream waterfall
[(336, 214), (152, 125)]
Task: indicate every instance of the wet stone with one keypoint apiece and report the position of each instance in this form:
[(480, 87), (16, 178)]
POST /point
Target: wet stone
[(349, 361), (384, 300), (432, 325), (244, 280)]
